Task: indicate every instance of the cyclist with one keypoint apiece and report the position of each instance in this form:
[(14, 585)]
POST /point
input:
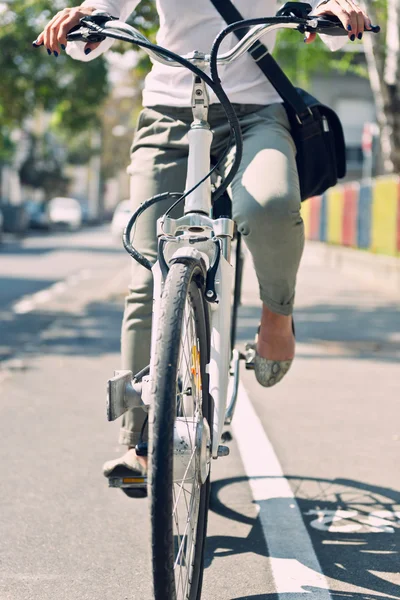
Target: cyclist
[(265, 191)]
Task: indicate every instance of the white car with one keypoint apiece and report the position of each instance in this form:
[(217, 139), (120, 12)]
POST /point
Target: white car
[(121, 216), (65, 211)]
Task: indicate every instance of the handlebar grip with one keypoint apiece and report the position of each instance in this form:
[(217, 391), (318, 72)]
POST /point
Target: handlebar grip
[(333, 26)]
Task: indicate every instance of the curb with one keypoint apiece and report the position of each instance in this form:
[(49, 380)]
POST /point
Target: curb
[(372, 268)]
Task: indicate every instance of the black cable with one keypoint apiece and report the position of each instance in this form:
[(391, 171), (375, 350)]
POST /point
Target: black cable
[(126, 236), (215, 168), (143, 428), (215, 87)]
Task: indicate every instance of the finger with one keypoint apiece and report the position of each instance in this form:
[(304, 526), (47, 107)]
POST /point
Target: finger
[(349, 23), (356, 17), (39, 41), (367, 22), (309, 38), (352, 22), (66, 27), (360, 22), (90, 47), (53, 31), (47, 29)]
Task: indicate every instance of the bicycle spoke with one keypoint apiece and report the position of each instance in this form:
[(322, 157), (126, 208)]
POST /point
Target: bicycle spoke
[(186, 498), (183, 478)]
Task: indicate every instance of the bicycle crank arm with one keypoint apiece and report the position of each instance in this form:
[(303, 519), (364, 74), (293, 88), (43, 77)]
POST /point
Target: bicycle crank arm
[(123, 393)]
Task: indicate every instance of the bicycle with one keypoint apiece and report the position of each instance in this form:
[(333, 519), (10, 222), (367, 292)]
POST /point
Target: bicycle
[(194, 365)]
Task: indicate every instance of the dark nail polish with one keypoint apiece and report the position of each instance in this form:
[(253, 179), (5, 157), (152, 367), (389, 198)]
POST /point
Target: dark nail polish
[(352, 37), (55, 53), (349, 27), (305, 40), (88, 51), (63, 47), (360, 36), (48, 52)]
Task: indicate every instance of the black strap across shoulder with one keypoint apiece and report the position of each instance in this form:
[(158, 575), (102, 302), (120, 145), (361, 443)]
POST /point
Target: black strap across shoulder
[(265, 61)]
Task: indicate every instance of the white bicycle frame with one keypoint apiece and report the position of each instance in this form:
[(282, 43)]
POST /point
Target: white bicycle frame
[(196, 222)]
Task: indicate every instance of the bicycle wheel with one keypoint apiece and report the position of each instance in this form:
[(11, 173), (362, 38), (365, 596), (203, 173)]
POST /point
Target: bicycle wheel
[(180, 436)]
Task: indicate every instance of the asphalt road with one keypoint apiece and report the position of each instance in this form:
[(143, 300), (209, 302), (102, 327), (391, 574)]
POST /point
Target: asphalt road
[(307, 504)]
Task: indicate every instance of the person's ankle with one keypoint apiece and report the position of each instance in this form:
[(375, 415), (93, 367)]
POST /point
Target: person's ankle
[(275, 338), (141, 459)]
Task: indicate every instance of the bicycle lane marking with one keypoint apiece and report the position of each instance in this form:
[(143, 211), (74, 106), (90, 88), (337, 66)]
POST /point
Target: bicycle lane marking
[(294, 564)]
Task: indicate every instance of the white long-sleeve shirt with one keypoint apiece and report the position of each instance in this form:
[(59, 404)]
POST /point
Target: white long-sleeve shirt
[(188, 25)]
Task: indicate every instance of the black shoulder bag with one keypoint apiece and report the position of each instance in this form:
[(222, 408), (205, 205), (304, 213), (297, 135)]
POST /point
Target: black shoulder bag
[(316, 128)]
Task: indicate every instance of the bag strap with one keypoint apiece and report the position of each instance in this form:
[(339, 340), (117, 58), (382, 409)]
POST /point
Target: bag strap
[(265, 61)]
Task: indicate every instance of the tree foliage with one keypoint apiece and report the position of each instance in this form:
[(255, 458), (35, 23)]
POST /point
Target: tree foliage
[(300, 61), (32, 81)]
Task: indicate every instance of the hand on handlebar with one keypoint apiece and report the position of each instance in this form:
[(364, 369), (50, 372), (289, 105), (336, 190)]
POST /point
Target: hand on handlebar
[(353, 18), (54, 34)]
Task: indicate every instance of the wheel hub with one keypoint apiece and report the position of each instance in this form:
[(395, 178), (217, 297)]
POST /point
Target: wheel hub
[(192, 449)]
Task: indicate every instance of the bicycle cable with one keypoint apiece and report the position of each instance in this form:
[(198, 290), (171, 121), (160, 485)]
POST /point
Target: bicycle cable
[(216, 87)]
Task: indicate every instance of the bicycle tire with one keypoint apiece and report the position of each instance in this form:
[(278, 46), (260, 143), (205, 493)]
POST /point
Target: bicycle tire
[(184, 287)]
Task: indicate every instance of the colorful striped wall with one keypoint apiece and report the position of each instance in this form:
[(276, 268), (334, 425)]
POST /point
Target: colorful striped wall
[(358, 215)]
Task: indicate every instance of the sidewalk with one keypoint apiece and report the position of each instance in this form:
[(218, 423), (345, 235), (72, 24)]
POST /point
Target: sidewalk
[(372, 269)]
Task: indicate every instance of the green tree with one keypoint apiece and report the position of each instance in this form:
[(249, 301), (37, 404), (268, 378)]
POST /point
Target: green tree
[(31, 81), (383, 57)]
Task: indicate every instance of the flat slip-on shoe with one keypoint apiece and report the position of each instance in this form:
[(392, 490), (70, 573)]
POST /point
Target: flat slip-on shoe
[(269, 372), (127, 473)]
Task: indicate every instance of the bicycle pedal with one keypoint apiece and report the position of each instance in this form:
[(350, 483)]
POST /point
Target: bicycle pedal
[(250, 355), (226, 437), (223, 451), (134, 482)]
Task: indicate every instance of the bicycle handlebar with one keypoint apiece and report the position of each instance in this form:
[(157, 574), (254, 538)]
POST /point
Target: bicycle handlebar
[(100, 25)]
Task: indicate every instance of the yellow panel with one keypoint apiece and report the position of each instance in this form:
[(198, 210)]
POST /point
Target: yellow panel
[(335, 198), (306, 214), (384, 215)]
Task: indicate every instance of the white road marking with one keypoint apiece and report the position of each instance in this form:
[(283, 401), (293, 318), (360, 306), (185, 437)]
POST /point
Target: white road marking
[(289, 545), (29, 303)]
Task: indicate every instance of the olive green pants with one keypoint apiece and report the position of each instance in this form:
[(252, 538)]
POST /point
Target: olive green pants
[(265, 205)]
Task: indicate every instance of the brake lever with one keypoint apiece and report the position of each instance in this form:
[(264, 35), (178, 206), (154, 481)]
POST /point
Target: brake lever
[(331, 26), (90, 28)]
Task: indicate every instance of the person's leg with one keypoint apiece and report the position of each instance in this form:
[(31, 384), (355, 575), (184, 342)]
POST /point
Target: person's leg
[(159, 160), (266, 207)]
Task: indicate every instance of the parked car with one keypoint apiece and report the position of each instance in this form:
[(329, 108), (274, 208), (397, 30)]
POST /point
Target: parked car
[(65, 212), (38, 215), (121, 216)]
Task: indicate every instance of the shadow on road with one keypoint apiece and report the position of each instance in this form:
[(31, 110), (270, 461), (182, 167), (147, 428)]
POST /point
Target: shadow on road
[(312, 590), (93, 333), (344, 331), (354, 528)]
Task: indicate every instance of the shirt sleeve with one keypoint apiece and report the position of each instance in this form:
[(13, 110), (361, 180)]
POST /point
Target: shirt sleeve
[(116, 8), (333, 42)]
